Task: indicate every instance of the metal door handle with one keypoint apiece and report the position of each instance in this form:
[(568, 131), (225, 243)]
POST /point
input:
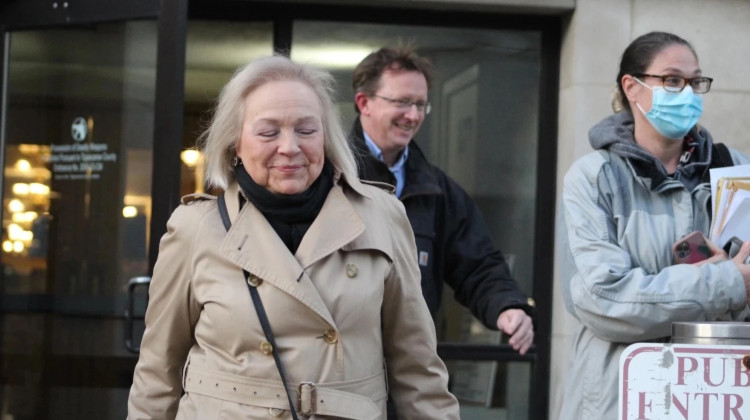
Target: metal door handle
[(129, 317)]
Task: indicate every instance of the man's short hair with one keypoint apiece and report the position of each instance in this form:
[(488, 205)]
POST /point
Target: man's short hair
[(366, 76)]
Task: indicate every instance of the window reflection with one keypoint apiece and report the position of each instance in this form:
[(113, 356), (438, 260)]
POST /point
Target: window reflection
[(483, 127), (77, 175), (26, 211), (214, 51)]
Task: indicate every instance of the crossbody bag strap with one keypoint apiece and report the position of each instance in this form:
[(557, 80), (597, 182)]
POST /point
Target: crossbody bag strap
[(723, 157), (259, 309)]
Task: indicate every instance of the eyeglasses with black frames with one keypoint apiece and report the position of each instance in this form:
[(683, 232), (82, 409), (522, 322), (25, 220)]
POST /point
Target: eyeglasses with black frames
[(673, 83), (405, 104)]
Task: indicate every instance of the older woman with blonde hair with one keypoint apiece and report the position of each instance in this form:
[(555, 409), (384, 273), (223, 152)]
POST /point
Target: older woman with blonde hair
[(297, 289)]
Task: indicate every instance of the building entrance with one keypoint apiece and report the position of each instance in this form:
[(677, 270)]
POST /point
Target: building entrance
[(98, 98), (76, 207)]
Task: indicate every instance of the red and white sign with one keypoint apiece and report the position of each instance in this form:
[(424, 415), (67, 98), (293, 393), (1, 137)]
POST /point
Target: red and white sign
[(684, 382)]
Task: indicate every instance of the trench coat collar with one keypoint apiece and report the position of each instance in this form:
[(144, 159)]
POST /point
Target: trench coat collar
[(337, 225), (252, 244)]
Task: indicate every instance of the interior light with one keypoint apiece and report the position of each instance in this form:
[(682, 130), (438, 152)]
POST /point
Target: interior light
[(19, 218), (7, 246), (190, 157), (15, 206), (38, 189), (26, 236), (23, 165), (17, 246), (20, 188), (129, 211), (29, 149), (331, 57), (17, 233), (14, 232)]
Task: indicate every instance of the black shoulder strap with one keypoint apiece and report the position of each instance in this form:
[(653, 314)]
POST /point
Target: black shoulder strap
[(721, 156), (223, 211), (259, 309)]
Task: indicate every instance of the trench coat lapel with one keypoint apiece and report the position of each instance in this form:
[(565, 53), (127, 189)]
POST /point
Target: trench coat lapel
[(252, 244), (337, 225)]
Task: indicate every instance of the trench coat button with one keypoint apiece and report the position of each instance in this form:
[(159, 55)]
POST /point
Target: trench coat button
[(254, 280), (266, 348), (331, 337), (352, 270), (275, 412)]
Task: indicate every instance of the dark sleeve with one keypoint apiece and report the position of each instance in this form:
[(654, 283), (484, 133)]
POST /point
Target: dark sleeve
[(472, 266)]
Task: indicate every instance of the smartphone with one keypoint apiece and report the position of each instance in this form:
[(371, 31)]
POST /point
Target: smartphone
[(691, 249)]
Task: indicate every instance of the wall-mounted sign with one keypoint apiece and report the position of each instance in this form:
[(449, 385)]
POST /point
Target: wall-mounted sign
[(684, 382), (79, 160)]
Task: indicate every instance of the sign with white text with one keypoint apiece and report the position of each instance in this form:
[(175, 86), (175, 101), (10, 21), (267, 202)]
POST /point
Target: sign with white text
[(684, 382), (79, 160)]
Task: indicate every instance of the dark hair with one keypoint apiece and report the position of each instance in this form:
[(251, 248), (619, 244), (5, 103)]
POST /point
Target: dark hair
[(366, 76), (639, 55)]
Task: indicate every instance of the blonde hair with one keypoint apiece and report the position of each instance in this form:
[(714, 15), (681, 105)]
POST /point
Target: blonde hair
[(218, 143), (617, 99)]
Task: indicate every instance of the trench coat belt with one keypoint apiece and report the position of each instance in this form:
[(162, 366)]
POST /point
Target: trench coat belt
[(340, 399)]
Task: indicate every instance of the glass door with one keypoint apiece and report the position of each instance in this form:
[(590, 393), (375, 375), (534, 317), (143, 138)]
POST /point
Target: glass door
[(79, 112)]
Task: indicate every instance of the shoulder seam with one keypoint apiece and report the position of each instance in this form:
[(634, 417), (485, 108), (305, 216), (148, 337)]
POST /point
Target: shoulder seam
[(382, 185)]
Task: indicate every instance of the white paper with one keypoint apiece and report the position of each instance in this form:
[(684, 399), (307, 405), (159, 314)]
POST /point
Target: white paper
[(738, 224), (718, 214), (718, 174)]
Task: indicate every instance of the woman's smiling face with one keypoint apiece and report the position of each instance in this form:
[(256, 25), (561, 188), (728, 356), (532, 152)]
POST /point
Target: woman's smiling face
[(281, 145)]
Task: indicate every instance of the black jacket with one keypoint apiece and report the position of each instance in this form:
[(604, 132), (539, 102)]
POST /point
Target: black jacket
[(453, 242)]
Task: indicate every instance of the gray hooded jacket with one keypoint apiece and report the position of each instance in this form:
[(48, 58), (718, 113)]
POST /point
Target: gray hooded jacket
[(621, 213)]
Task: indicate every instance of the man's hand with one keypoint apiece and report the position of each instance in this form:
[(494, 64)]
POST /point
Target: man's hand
[(518, 326)]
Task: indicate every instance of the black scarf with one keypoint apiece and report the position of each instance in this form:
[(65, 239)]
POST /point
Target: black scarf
[(290, 215)]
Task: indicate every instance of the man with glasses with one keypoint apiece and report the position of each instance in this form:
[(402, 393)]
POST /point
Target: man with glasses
[(453, 242)]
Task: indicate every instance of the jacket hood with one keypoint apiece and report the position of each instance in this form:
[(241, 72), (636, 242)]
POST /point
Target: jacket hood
[(615, 133)]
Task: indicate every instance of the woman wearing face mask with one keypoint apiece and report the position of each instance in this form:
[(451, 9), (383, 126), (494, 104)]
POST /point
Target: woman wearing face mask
[(623, 207)]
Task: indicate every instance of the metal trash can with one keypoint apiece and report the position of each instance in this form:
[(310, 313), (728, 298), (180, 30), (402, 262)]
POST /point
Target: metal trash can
[(729, 333)]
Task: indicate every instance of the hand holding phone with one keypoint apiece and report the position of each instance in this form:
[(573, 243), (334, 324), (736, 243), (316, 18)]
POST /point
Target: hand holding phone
[(691, 248)]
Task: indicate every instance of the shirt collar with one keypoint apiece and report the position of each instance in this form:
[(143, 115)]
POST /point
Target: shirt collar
[(375, 151)]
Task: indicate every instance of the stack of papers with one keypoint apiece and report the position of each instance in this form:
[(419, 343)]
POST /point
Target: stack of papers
[(730, 203)]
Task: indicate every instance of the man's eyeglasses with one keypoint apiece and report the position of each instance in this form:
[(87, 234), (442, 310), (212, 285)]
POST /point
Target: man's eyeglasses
[(673, 83), (405, 104)]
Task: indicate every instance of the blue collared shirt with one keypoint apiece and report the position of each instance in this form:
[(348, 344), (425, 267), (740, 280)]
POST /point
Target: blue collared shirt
[(398, 169)]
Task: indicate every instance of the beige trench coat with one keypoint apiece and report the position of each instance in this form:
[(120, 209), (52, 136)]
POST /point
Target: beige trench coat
[(345, 304)]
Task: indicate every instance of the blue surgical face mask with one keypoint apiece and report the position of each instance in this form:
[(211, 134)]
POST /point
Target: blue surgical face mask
[(673, 114)]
